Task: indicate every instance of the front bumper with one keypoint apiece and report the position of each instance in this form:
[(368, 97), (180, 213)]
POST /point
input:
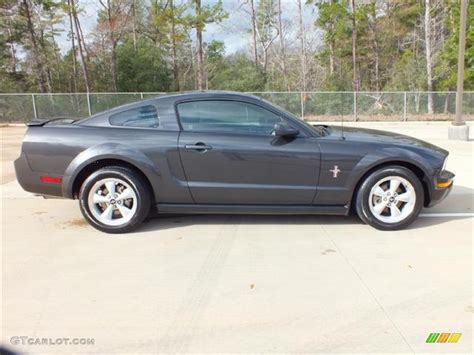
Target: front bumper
[(440, 187), (30, 180)]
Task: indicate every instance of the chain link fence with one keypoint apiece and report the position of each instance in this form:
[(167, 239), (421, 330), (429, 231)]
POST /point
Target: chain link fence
[(310, 106)]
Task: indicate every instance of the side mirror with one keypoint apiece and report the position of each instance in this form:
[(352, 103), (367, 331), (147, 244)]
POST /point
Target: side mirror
[(284, 130)]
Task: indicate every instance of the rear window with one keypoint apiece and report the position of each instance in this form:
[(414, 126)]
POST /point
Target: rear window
[(143, 116)]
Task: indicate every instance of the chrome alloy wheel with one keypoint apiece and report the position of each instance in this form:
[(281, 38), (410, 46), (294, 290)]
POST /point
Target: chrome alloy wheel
[(112, 201), (392, 199)]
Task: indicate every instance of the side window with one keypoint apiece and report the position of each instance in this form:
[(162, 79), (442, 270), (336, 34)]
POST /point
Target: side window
[(226, 116), (143, 116)]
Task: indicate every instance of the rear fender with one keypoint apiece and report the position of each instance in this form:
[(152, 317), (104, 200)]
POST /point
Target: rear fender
[(103, 151)]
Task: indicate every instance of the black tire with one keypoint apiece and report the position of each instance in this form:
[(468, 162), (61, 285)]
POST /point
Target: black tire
[(137, 184), (362, 198)]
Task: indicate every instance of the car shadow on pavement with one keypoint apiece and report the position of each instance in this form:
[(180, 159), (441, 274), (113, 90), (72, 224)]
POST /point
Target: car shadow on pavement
[(182, 220), (460, 200), (158, 223)]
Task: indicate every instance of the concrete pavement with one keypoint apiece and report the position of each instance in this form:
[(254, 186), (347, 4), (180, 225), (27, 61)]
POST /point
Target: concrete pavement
[(246, 284)]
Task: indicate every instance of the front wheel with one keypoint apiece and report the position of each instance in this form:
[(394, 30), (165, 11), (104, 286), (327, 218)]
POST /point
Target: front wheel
[(114, 200), (390, 198)]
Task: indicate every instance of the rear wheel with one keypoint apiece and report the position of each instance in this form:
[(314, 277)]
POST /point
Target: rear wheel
[(390, 198), (114, 200)]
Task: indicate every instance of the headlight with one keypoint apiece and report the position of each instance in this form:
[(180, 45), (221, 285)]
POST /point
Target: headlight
[(444, 164)]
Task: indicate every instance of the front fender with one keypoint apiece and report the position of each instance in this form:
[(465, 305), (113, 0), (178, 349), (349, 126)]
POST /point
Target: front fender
[(388, 155), (103, 151)]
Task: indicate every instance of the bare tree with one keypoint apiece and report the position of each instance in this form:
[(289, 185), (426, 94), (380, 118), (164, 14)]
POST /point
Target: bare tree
[(199, 52), (81, 44), (254, 32), (375, 43), (173, 45), (303, 46), (134, 22), (8, 10), (113, 41), (40, 72), (267, 31), (428, 54), (73, 48), (282, 48)]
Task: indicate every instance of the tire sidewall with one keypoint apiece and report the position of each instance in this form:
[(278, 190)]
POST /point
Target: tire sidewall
[(362, 203), (135, 182)]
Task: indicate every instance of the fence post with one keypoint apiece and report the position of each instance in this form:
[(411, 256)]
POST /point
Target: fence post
[(302, 104), (89, 104), (141, 95), (355, 105), (34, 105), (405, 106)]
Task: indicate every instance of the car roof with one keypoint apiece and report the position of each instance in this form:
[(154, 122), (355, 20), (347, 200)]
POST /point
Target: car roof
[(170, 98), (185, 95), (207, 93)]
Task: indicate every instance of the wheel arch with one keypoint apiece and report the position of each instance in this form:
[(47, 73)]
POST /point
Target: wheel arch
[(417, 170), (104, 155), (92, 167)]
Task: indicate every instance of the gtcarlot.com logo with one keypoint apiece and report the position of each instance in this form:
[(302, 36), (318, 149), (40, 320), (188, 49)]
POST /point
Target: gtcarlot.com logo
[(26, 340)]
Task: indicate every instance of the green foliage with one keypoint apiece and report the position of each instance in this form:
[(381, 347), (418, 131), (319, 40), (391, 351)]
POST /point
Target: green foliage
[(408, 73), (334, 19), (143, 68), (207, 14), (237, 73), (152, 44), (447, 68)]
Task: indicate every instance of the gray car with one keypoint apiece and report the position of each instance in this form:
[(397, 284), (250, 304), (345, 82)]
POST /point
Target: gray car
[(224, 152)]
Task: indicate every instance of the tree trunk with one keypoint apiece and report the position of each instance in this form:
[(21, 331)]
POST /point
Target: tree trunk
[(428, 54), (332, 57), (375, 46), (12, 53), (173, 43), (114, 44), (34, 43), (303, 47), (134, 24), (11, 44), (81, 45), (355, 77), (44, 60), (199, 53), (254, 33), (57, 56), (73, 48), (282, 49)]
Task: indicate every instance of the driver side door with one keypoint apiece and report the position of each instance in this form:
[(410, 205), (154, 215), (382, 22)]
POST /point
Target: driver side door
[(230, 156)]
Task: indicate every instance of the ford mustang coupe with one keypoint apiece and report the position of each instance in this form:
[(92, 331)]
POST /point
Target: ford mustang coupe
[(224, 152)]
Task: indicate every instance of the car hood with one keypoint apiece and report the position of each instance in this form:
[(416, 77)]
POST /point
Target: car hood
[(373, 135)]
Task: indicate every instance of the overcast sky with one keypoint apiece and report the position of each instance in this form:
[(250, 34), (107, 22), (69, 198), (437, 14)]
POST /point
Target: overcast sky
[(231, 31)]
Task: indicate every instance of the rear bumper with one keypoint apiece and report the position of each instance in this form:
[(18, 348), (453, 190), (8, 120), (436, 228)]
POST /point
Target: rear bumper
[(30, 180), (441, 186)]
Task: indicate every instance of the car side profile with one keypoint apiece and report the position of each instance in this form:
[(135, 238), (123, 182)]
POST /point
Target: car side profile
[(224, 152)]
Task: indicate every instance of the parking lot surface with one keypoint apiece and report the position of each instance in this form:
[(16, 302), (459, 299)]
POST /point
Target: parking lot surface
[(241, 284)]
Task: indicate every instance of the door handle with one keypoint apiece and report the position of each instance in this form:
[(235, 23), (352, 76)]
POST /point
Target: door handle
[(199, 147)]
